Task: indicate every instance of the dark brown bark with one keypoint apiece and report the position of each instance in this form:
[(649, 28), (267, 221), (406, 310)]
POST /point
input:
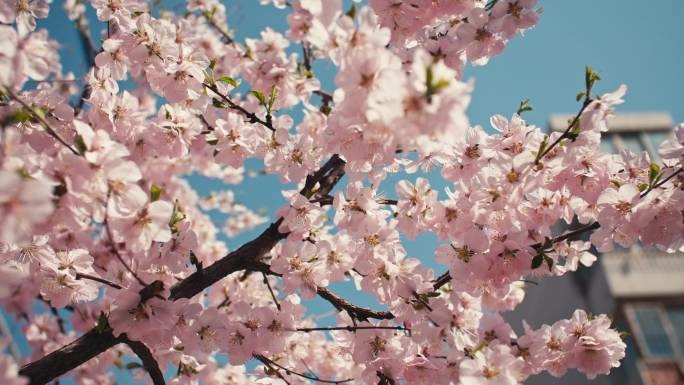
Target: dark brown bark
[(71, 356), (148, 361), (354, 311)]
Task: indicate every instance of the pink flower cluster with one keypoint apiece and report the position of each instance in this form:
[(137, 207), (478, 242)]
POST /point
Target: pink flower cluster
[(101, 226)]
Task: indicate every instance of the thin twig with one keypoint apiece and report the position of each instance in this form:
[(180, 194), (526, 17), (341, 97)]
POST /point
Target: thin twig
[(89, 52), (360, 313), (384, 380), (391, 202), (98, 279), (660, 183), (6, 333), (55, 312), (270, 290), (290, 371), (87, 43), (445, 277), (40, 119), (226, 36), (267, 362), (149, 362), (306, 52), (60, 320), (113, 245), (352, 328), (253, 118), (572, 124)]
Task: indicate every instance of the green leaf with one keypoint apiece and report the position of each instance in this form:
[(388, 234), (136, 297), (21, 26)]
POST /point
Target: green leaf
[(542, 146), (433, 86), (176, 216), (326, 109), (22, 116), (549, 261), (574, 131), (155, 193), (217, 103), (229, 80), (272, 98), (642, 187), (352, 11), (102, 323), (653, 173), (579, 96), (133, 365), (260, 96), (524, 106), (41, 111), (441, 84), (212, 142), (537, 260), (195, 261), (590, 77), (212, 64), (80, 144)]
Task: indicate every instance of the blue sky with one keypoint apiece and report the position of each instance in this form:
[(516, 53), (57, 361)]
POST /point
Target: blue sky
[(626, 41)]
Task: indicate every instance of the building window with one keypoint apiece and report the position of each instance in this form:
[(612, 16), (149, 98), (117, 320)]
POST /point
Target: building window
[(658, 330), (655, 340)]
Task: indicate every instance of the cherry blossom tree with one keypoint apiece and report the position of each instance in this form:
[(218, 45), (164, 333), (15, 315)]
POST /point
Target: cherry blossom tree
[(101, 226)]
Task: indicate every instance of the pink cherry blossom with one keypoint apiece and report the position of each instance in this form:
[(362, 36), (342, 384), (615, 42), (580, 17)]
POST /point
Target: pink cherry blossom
[(112, 221)]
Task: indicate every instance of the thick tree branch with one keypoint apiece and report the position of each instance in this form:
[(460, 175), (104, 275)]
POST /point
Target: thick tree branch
[(71, 356)]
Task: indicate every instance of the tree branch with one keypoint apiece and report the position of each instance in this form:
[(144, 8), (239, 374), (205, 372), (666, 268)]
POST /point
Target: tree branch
[(114, 247), (247, 257), (149, 362), (384, 380), (268, 362), (98, 279), (445, 277), (226, 36), (253, 118), (270, 290), (354, 311), (71, 356), (352, 328), (40, 120)]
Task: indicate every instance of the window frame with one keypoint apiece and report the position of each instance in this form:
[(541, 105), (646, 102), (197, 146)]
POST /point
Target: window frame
[(637, 333)]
